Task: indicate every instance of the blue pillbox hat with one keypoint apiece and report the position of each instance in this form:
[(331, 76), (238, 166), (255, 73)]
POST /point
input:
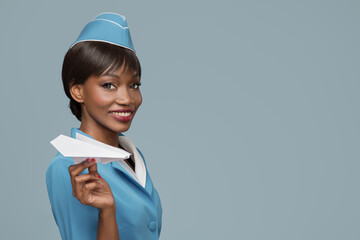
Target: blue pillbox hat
[(107, 27)]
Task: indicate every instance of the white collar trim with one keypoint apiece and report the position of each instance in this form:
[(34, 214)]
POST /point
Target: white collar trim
[(140, 170)]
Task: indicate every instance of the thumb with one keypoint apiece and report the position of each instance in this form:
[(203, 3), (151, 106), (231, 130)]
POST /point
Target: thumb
[(93, 168)]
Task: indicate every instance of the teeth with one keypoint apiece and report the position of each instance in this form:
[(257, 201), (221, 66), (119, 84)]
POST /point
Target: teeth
[(123, 114)]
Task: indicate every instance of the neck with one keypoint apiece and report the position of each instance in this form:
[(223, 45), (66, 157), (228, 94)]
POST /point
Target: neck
[(99, 132)]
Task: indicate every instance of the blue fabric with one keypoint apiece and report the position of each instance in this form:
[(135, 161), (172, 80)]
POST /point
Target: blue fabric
[(138, 209), (107, 27)]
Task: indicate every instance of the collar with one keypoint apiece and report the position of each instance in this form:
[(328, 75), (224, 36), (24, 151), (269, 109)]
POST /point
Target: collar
[(77, 130)]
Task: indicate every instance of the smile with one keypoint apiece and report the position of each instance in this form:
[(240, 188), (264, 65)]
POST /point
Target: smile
[(123, 114)]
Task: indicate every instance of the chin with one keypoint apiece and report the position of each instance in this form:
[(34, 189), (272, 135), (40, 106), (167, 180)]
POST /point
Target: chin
[(122, 128)]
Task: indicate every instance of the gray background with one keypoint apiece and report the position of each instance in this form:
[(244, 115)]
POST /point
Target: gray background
[(250, 120)]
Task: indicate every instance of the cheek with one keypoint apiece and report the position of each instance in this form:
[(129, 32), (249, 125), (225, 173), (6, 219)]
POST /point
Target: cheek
[(99, 98), (138, 100)]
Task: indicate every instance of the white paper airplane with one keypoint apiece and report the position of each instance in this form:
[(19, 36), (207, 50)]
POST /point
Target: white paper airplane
[(84, 147)]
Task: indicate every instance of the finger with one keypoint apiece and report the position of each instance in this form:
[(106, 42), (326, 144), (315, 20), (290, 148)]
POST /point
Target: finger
[(91, 186), (76, 169), (77, 189), (85, 177), (93, 168), (76, 165), (86, 197), (84, 164), (79, 182)]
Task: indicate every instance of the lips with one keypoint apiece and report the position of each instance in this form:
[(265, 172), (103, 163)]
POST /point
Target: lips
[(122, 115)]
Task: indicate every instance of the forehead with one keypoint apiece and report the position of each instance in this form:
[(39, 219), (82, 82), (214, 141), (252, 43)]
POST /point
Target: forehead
[(120, 73), (124, 69)]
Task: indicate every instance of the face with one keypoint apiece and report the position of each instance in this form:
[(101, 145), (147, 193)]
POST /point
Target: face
[(110, 101)]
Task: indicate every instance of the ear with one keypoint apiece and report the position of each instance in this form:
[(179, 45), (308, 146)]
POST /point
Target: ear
[(76, 92)]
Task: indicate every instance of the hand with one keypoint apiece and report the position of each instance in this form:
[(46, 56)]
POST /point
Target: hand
[(90, 189)]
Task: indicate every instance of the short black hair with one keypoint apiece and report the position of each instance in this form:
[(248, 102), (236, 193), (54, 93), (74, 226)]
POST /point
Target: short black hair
[(89, 58)]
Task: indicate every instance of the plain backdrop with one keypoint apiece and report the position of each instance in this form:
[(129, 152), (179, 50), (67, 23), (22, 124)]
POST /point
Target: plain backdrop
[(249, 125)]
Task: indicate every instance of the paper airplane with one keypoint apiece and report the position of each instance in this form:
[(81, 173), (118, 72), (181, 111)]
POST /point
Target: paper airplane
[(84, 147)]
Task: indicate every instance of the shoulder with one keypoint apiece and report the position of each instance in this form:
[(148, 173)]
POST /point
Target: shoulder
[(58, 167), (60, 162)]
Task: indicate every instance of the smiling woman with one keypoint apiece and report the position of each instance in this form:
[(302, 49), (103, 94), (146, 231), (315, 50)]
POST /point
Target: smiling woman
[(117, 200), (104, 90), (94, 58)]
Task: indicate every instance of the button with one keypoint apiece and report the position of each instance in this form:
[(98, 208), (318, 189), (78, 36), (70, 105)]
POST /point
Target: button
[(152, 226)]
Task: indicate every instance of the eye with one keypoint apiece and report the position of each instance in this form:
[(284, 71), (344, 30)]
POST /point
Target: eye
[(108, 86), (135, 85)]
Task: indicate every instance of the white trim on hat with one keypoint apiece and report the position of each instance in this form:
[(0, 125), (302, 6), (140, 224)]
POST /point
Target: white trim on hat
[(97, 40), (100, 19), (123, 17)]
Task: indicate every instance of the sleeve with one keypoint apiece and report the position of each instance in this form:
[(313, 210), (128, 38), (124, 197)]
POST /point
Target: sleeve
[(75, 220)]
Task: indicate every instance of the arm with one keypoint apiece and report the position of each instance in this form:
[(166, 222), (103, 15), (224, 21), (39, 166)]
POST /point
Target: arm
[(74, 220), (92, 190), (107, 226)]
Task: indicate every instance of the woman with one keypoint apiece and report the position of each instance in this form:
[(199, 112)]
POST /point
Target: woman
[(101, 76)]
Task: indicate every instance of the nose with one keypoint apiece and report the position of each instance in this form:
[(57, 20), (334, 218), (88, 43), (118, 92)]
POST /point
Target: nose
[(123, 96)]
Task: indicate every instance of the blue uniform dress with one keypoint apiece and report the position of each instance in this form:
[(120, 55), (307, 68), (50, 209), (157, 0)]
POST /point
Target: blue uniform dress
[(138, 209)]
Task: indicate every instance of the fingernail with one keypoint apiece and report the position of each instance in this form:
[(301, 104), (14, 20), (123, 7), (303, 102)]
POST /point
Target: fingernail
[(98, 176), (92, 160)]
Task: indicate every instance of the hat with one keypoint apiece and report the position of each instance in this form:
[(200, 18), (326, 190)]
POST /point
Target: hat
[(107, 27)]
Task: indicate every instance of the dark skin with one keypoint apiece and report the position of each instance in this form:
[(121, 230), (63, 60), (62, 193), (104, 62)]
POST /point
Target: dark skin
[(101, 96), (90, 189)]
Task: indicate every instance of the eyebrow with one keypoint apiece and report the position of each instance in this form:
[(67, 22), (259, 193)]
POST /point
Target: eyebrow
[(135, 75)]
